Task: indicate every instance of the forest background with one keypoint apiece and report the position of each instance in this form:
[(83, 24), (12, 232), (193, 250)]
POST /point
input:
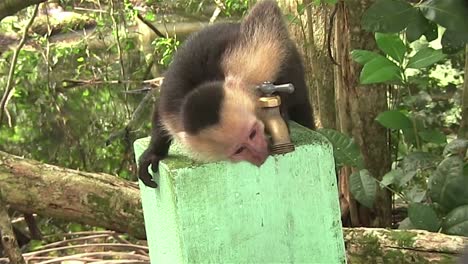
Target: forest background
[(387, 80)]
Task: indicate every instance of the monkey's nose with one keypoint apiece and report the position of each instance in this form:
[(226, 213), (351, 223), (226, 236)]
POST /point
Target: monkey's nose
[(260, 159)]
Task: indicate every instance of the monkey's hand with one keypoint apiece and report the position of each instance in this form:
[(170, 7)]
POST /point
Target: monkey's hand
[(147, 159)]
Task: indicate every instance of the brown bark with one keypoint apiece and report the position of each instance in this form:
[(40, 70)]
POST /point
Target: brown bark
[(10, 7), (96, 199), (309, 32), (9, 243), (358, 106), (320, 65), (463, 131), (376, 245)]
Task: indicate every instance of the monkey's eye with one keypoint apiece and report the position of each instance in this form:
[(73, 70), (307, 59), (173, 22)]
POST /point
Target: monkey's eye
[(239, 150), (253, 134)]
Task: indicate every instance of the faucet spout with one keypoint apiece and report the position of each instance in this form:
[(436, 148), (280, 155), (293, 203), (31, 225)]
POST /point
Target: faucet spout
[(275, 125)]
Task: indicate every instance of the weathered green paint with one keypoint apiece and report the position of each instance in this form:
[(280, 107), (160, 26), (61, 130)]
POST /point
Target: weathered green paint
[(287, 211)]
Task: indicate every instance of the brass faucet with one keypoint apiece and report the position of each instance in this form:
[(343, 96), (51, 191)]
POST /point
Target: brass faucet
[(270, 114)]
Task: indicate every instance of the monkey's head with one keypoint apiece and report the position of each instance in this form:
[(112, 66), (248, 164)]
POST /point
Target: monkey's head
[(220, 123)]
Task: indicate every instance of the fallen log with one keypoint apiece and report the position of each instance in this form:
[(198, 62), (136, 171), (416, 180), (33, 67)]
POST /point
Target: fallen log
[(110, 202), (378, 245), (96, 199)]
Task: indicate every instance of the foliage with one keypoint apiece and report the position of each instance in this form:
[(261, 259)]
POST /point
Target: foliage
[(428, 174), (346, 151), (68, 123), (75, 85), (166, 49)]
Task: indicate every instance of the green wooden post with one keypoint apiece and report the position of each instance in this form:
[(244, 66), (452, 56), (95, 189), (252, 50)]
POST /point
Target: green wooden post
[(286, 211)]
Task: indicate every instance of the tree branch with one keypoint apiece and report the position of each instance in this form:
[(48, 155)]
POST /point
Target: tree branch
[(95, 199), (10, 7), (9, 86)]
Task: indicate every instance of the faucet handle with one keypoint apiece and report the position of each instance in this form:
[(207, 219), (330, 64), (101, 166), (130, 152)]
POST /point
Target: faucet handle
[(269, 88)]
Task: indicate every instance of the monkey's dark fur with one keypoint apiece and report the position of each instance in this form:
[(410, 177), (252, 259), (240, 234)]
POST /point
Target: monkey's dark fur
[(192, 91)]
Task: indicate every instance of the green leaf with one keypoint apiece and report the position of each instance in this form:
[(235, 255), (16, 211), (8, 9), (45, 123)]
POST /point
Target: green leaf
[(425, 58), (394, 119), (300, 9), (345, 150), (456, 222), (456, 147), (447, 184), (433, 136), (363, 187), (406, 224), (407, 176), (410, 136), (379, 70), (452, 41), (418, 160), (416, 194), (451, 14), (432, 33), (423, 216), (392, 177), (417, 27), (363, 56), (392, 45), (388, 16)]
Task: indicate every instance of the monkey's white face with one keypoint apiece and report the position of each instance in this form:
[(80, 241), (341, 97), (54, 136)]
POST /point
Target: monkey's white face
[(251, 146)]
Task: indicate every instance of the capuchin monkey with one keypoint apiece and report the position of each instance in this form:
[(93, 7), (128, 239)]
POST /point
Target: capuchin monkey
[(208, 100)]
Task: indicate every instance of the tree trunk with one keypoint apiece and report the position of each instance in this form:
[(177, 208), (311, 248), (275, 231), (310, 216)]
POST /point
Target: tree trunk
[(90, 198), (463, 131), (358, 106), (10, 7), (309, 32)]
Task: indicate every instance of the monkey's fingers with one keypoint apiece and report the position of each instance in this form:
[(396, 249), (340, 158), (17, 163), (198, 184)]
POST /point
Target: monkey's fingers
[(143, 173)]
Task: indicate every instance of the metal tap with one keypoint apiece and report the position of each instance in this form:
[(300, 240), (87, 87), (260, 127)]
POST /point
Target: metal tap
[(270, 114)]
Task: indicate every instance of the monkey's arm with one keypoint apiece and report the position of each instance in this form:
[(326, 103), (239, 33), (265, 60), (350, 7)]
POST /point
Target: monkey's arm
[(156, 151)]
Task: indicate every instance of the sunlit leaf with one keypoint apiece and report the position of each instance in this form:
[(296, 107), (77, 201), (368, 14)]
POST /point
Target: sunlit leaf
[(425, 58), (392, 45), (394, 119), (363, 56), (379, 70)]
